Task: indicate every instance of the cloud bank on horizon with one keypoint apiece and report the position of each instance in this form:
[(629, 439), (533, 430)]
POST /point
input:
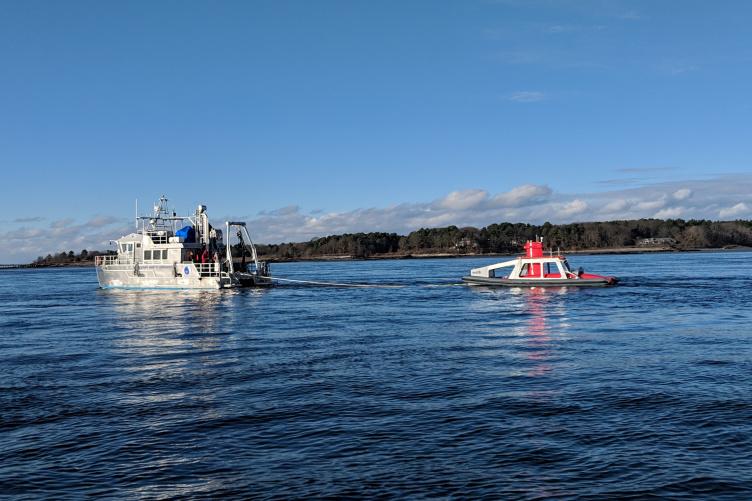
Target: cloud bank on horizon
[(721, 198)]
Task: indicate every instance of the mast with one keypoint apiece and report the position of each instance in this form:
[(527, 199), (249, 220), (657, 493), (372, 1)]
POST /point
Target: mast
[(227, 247)]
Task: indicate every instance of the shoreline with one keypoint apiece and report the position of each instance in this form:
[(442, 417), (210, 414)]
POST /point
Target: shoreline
[(428, 255), (446, 255)]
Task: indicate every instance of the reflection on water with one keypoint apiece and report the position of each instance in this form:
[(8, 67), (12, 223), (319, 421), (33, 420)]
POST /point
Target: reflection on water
[(540, 323), (537, 330), (173, 336), (172, 317)]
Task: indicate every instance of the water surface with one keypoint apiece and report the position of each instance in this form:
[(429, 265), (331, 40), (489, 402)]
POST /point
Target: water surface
[(430, 389)]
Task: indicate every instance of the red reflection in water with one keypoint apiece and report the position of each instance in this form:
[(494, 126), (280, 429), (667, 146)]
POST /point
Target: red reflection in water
[(538, 331)]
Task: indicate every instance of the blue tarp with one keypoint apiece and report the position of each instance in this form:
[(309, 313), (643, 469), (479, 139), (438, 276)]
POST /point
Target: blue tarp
[(187, 233)]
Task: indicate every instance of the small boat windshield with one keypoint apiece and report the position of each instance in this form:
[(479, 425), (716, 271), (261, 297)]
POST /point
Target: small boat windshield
[(552, 270)]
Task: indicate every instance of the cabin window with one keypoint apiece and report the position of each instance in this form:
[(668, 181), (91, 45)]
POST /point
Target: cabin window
[(138, 246), (164, 254), (531, 270), (147, 255), (552, 269), (130, 247)]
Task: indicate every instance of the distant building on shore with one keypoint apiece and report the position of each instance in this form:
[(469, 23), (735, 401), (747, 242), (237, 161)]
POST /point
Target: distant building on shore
[(648, 242), (466, 244)]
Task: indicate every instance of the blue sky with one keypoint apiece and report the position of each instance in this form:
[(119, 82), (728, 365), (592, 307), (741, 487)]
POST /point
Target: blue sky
[(309, 118)]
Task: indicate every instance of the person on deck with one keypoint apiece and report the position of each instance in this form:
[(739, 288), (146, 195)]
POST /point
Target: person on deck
[(205, 256)]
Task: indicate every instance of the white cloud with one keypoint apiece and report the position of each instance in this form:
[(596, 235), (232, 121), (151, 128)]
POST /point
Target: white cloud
[(617, 205), (674, 68), (682, 194), (723, 197), (522, 195), (573, 208), (62, 223), (527, 96), (648, 205), (644, 170), (100, 221), (23, 244), (290, 209), (526, 203), (669, 213), (464, 199), (737, 210)]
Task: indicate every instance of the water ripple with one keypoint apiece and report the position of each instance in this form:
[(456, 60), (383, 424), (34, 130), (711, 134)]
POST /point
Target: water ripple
[(430, 390)]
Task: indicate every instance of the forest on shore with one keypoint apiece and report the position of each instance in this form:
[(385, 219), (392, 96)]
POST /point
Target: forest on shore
[(502, 238), (508, 238), (70, 258)]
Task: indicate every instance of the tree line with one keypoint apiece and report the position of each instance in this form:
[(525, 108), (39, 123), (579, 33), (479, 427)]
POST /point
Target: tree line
[(508, 238), (502, 238), (70, 257)]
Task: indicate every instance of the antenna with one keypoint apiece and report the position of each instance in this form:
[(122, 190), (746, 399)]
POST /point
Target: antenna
[(137, 214)]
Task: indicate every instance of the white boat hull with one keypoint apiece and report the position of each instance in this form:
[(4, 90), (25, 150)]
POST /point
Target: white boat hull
[(542, 282), (159, 277)]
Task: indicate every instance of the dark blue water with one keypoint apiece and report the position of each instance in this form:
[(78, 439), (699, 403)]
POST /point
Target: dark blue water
[(429, 390)]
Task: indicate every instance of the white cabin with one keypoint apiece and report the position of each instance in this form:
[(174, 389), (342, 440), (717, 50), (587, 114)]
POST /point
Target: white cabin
[(532, 268)]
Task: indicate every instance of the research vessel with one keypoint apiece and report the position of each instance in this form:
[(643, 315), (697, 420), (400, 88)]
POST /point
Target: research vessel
[(534, 269), (168, 251)]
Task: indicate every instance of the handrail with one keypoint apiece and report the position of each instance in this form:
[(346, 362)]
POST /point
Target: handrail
[(159, 239), (208, 269), (212, 269), (112, 260)]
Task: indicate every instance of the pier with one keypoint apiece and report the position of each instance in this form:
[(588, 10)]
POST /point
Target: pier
[(16, 266)]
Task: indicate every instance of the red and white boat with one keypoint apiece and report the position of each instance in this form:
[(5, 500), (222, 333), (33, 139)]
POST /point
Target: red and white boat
[(536, 270)]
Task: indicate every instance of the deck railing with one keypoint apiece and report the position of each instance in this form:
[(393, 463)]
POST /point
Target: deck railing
[(202, 269), (159, 239), (208, 269), (112, 260)]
